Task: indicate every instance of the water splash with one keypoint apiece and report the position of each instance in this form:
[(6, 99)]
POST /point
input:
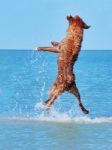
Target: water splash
[(39, 106), (55, 116)]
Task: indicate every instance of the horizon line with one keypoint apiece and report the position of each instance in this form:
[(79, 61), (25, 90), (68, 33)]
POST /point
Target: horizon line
[(36, 50)]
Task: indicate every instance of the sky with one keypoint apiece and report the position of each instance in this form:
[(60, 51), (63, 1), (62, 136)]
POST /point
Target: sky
[(25, 24)]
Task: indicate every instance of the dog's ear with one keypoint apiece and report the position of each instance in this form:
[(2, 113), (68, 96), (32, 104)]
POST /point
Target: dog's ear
[(69, 18), (85, 26), (81, 23)]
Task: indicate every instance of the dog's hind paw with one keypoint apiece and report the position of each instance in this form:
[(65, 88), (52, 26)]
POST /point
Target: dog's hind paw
[(86, 111)]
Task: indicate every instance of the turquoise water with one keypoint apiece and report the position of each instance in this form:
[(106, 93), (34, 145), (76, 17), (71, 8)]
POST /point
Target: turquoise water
[(25, 80)]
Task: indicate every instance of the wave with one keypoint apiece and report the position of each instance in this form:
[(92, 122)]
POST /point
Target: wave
[(64, 119), (55, 116)]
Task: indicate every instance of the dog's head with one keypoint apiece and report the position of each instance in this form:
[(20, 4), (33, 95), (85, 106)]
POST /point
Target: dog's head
[(77, 21)]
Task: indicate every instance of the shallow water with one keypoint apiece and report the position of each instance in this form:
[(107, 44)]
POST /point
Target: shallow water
[(25, 80)]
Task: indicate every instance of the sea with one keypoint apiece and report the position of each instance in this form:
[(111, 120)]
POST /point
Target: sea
[(26, 77)]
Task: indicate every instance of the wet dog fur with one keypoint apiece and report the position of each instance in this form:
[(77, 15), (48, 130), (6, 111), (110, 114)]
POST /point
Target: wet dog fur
[(68, 50)]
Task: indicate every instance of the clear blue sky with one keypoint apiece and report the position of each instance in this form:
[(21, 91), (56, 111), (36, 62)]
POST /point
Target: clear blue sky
[(25, 24)]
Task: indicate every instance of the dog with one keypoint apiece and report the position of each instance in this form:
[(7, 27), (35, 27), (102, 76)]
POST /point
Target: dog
[(68, 50)]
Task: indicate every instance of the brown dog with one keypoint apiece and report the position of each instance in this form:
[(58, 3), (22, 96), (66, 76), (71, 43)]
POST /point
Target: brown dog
[(68, 50)]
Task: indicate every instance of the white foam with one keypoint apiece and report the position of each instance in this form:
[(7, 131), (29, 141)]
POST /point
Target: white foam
[(56, 116), (80, 120), (61, 119)]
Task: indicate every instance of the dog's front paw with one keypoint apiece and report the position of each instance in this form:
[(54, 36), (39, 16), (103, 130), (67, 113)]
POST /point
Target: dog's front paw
[(54, 43)]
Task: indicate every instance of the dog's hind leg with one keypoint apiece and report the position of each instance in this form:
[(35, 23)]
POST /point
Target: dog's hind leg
[(55, 92), (74, 90), (52, 98)]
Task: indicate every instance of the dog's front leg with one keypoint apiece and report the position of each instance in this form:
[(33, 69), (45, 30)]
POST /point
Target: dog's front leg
[(50, 49)]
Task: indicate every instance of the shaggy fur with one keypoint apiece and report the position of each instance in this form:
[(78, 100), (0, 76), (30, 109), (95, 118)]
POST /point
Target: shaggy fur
[(68, 50)]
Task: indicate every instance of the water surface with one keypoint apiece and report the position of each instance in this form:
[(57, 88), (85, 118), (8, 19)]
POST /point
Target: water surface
[(25, 80)]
